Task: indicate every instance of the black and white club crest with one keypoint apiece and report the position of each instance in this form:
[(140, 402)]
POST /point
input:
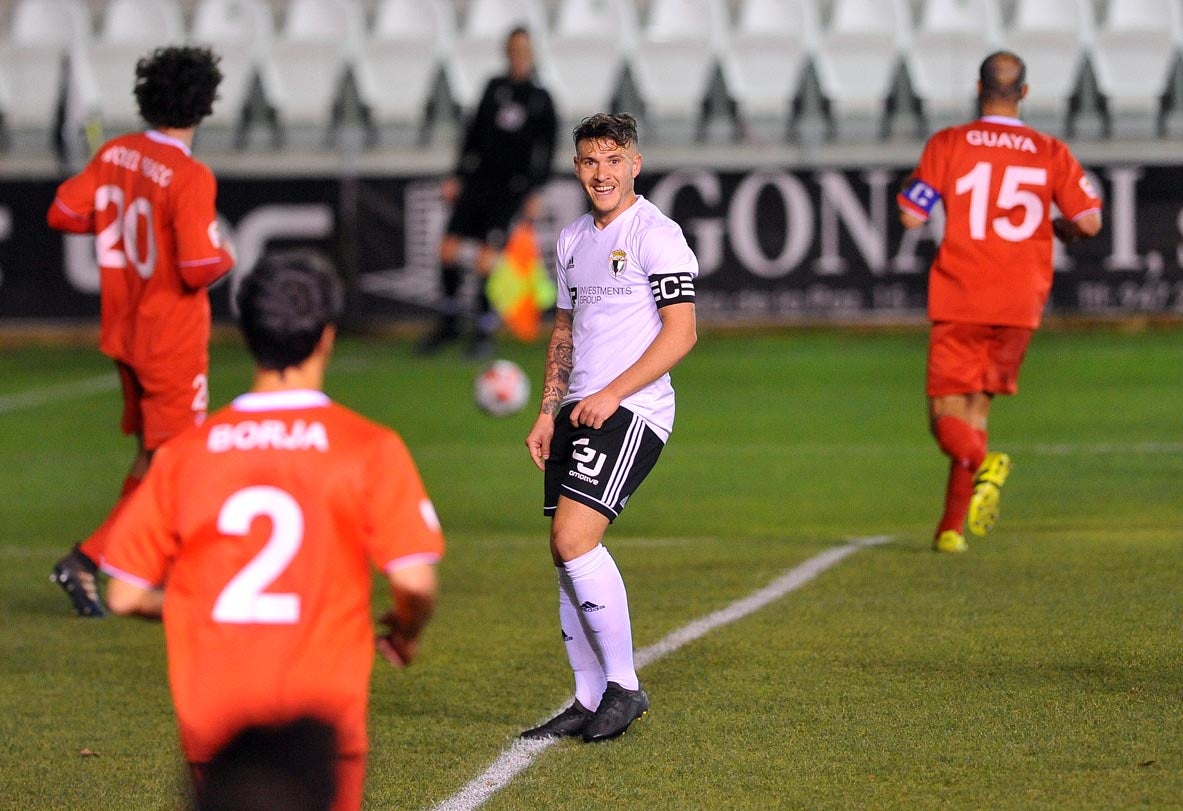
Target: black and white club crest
[(618, 262)]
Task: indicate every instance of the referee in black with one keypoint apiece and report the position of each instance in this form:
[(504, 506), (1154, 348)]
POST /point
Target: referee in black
[(505, 159)]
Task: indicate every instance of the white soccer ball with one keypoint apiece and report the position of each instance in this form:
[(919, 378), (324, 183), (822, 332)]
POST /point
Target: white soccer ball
[(501, 388)]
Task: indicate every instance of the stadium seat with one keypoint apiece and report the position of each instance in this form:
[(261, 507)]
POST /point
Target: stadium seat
[(675, 63), (586, 53), (306, 70), (240, 32), (767, 52), (130, 30), (858, 58), (34, 58), (399, 62), (479, 52), (948, 45), (1135, 55), (1052, 37)]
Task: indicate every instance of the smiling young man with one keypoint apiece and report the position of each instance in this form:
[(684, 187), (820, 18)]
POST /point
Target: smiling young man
[(624, 319)]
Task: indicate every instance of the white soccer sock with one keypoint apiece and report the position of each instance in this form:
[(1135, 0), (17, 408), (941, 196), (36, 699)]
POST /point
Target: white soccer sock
[(603, 604), (585, 662)]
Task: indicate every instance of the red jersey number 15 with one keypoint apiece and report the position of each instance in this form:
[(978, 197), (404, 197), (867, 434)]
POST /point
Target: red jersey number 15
[(976, 182)]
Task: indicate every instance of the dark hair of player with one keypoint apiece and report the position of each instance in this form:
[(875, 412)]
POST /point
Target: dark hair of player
[(176, 86), (285, 304), (1002, 75), (619, 128)]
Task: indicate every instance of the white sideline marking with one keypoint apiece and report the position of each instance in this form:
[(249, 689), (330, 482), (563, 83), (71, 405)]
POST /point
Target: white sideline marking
[(57, 392), (521, 753)]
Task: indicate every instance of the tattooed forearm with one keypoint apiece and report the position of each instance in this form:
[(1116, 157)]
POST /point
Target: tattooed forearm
[(560, 357)]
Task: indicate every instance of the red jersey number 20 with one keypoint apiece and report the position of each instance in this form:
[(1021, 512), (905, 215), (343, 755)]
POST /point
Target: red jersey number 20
[(118, 242)]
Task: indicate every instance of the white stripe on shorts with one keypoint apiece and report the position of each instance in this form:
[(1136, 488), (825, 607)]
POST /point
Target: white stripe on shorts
[(624, 464)]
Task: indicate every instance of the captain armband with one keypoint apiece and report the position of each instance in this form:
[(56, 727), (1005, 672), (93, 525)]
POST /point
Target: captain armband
[(920, 195), (672, 288)]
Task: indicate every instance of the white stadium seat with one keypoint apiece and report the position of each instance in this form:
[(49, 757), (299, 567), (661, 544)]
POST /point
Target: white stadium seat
[(131, 29), (1134, 58), (1052, 37), (400, 59), (240, 32), (585, 55), (306, 67), (675, 61), (479, 52), (766, 55), (858, 56), (948, 46), (42, 38)]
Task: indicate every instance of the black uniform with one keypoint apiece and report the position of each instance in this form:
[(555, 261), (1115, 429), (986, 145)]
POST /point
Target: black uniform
[(507, 153)]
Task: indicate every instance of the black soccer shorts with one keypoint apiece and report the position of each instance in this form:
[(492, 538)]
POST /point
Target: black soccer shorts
[(599, 468), (483, 212)]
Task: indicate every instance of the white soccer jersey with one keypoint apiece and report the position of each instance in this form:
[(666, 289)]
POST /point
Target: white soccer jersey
[(615, 280)]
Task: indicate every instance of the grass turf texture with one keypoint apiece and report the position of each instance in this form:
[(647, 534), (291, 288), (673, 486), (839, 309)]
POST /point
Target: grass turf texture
[(1041, 670)]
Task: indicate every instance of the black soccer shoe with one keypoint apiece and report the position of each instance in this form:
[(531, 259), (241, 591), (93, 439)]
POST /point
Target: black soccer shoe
[(75, 573), (480, 347), (618, 708), (569, 722), (445, 331)]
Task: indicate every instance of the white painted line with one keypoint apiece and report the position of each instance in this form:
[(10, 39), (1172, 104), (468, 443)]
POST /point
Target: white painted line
[(58, 392), (521, 753), (1106, 449)]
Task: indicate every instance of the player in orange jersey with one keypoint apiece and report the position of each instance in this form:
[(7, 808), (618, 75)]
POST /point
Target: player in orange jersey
[(988, 284), (150, 206), (262, 525)]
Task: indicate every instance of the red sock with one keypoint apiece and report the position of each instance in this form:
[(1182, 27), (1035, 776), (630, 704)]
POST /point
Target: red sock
[(961, 442), (93, 546), (966, 448), (957, 494), (985, 437)]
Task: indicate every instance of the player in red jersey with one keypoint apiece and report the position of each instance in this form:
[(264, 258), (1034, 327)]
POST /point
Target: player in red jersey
[(262, 525), (997, 179), (150, 206)]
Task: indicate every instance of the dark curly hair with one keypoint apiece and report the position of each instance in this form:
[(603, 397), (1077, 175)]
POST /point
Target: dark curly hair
[(619, 128), (176, 86), (285, 304)]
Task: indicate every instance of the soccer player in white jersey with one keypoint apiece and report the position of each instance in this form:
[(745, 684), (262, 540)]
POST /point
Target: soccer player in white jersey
[(624, 318)]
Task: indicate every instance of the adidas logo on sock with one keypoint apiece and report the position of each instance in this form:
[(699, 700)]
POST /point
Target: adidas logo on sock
[(588, 607), (566, 637)]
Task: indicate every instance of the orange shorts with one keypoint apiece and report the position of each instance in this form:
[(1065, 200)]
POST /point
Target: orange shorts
[(969, 358), (159, 405)]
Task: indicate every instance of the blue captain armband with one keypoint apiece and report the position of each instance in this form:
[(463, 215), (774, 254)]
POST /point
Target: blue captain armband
[(921, 195)]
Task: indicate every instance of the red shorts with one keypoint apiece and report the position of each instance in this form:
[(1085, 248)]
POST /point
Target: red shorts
[(157, 406), (970, 358)]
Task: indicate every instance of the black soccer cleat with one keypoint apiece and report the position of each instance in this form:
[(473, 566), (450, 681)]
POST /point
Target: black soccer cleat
[(75, 573), (445, 331), (481, 346), (569, 722), (618, 708)]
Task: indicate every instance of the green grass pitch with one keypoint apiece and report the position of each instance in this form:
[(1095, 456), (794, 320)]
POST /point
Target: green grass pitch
[(1040, 670)]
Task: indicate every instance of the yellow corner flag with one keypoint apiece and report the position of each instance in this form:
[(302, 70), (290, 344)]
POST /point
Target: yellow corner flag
[(519, 288)]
